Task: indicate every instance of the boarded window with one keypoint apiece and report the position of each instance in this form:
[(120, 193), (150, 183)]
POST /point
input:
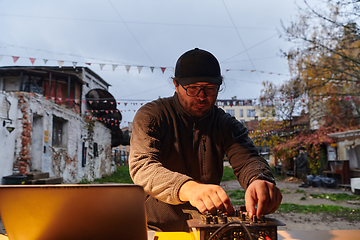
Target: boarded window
[(59, 134)]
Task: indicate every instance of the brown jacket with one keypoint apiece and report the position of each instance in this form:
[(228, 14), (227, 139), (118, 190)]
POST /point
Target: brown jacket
[(169, 147)]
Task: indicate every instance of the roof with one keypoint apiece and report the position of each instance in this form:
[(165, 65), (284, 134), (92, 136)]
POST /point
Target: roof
[(55, 71), (345, 135)]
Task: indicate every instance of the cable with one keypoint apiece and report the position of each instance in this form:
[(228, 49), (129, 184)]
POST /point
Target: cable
[(242, 42), (221, 230), (132, 34), (223, 61)]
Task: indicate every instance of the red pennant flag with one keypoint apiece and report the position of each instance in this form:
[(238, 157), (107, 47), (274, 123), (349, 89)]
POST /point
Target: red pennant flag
[(127, 68), (88, 64), (125, 104), (118, 103), (163, 69), (15, 58), (32, 60)]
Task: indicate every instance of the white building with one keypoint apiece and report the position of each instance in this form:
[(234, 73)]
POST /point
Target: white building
[(53, 130), (244, 110)]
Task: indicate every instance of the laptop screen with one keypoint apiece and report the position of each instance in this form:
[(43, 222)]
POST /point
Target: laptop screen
[(58, 212)]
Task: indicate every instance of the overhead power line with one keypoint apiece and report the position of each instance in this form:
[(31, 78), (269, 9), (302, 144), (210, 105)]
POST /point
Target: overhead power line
[(242, 42)]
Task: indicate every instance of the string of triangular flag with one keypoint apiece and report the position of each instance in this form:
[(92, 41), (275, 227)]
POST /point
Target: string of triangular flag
[(254, 101), (114, 66), (101, 65), (238, 102)]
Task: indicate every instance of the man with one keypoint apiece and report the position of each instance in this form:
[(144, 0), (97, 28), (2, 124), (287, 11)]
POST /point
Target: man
[(302, 165), (178, 145)]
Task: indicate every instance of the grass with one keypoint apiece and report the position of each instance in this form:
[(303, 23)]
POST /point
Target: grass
[(121, 175), (237, 196), (228, 174), (336, 196), (285, 191), (336, 211)]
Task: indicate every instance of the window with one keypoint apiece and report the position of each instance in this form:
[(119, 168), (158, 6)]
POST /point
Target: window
[(262, 113), (241, 112), (231, 112), (59, 134), (251, 113)]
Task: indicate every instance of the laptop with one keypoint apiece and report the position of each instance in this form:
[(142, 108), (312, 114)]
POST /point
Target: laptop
[(69, 212)]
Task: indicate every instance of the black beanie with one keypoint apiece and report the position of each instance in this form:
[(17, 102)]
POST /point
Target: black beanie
[(198, 66)]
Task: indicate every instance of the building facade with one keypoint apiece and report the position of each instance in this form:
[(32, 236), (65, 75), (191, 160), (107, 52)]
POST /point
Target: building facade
[(53, 130), (244, 110)]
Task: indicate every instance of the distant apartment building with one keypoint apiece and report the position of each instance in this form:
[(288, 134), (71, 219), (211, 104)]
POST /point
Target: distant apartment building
[(244, 110)]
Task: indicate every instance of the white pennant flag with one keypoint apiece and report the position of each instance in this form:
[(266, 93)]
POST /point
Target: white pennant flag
[(139, 68), (114, 66), (61, 63), (1, 56), (127, 68), (74, 64), (45, 61), (101, 65)]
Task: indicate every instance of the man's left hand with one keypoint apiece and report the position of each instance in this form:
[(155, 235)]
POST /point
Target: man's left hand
[(265, 194)]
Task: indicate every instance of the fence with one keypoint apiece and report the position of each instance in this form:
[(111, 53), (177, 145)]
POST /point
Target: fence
[(121, 158)]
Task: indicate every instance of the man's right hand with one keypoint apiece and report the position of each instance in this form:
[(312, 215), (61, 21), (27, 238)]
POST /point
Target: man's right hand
[(206, 197)]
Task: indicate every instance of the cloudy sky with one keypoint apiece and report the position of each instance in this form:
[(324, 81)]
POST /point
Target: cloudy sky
[(112, 34)]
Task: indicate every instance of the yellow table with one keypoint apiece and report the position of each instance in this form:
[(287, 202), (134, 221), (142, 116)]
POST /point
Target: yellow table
[(282, 235)]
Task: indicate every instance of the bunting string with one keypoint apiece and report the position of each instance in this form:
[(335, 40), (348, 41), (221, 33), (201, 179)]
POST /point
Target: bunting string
[(101, 65), (220, 102), (115, 66)]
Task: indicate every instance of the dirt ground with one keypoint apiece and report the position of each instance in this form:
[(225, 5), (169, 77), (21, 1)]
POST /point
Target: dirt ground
[(299, 221)]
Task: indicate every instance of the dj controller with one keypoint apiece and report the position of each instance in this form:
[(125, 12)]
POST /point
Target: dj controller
[(220, 226)]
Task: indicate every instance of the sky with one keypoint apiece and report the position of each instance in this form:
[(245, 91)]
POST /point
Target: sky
[(134, 45)]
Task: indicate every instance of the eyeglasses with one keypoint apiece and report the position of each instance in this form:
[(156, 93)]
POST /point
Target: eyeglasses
[(193, 91)]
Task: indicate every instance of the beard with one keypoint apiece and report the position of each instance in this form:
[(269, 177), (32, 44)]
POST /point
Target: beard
[(198, 108)]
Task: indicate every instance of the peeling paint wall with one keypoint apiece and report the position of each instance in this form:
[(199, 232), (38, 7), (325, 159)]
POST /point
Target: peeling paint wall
[(8, 110), (63, 159)]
